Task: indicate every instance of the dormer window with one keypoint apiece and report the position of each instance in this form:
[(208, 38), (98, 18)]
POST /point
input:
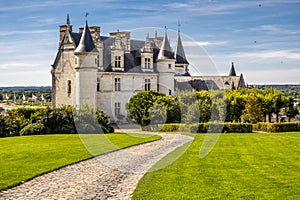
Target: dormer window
[(117, 61), (147, 63)]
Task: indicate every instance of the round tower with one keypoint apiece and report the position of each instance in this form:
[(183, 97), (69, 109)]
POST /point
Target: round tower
[(86, 70), (166, 67)]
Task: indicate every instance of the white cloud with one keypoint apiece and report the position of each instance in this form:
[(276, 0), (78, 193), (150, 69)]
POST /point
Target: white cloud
[(276, 76), (204, 43), (18, 65), (287, 54), (7, 33)]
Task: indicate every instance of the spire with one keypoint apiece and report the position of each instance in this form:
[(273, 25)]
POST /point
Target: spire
[(179, 50), (232, 70), (68, 20), (165, 51), (86, 43)]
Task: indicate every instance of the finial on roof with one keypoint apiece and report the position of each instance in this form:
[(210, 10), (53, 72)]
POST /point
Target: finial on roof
[(179, 26), (86, 14), (155, 34), (147, 37), (68, 20)]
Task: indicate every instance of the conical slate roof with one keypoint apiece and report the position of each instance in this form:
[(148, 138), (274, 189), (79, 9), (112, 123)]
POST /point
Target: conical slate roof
[(179, 51), (165, 51), (86, 43), (232, 71)]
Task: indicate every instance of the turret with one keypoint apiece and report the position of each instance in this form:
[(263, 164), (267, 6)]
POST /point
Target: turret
[(166, 67), (181, 63), (86, 69), (232, 70)]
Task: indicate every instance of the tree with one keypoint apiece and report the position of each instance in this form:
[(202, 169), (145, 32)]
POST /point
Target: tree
[(289, 109), (253, 111), (139, 105), (235, 105)]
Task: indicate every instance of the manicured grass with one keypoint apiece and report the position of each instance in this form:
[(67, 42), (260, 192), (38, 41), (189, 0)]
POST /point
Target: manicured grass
[(240, 166), (25, 157)]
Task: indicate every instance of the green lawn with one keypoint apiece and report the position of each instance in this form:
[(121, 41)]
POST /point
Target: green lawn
[(25, 157), (240, 166)]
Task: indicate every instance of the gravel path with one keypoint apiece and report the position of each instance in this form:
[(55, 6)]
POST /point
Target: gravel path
[(111, 176)]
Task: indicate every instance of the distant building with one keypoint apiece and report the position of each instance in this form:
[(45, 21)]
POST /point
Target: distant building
[(106, 71)]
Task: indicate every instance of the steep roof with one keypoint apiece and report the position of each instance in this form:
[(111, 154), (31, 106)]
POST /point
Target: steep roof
[(86, 43), (232, 70), (179, 51), (165, 51)]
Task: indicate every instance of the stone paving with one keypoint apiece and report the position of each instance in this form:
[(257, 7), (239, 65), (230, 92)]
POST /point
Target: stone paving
[(111, 176)]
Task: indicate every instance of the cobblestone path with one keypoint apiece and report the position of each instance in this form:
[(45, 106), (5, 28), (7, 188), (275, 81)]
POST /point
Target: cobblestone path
[(111, 176)]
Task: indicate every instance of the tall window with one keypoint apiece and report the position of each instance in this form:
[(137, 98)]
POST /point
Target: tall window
[(170, 66), (69, 87), (117, 108), (98, 84), (147, 63), (117, 84), (147, 84), (117, 61)]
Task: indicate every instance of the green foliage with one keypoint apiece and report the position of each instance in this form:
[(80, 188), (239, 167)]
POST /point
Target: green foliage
[(277, 127), (4, 126), (139, 105), (34, 129), (240, 166), (253, 111), (207, 127), (27, 121), (59, 120), (248, 105)]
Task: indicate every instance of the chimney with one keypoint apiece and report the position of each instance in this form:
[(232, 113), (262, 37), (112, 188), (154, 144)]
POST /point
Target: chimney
[(62, 30)]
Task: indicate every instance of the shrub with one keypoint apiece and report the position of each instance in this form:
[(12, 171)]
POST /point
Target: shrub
[(34, 129), (277, 127), (208, 127), (4, 126), (59, 120)]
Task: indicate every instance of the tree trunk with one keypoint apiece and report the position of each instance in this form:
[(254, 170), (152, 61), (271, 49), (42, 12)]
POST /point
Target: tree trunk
[(277, 117)]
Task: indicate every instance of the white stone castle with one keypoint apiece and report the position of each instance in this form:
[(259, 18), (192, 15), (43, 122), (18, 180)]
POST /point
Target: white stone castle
[(107, 71)]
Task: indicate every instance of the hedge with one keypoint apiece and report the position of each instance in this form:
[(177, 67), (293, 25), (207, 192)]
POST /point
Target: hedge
[(34, 129), (208, 127), (277, 127)]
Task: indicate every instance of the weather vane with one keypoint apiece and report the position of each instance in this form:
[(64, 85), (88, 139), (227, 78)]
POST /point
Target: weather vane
[(179, 25), (86, 14)]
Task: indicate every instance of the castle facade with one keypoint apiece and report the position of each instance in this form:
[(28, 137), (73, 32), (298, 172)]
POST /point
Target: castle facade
[(106, 71)]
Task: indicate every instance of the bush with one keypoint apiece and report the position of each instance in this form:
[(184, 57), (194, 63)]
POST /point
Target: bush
[(34, 129), (4, 126), (208, 127), (59, 120), (277, 127)]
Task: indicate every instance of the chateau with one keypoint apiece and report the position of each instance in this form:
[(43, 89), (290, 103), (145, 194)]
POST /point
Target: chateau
[(106, 71)]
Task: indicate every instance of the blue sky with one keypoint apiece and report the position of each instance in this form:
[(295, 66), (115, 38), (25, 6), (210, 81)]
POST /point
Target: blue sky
[(262, 37)]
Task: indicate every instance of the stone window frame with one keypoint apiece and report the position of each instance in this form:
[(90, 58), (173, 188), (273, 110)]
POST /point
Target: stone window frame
[(117, 61), (147, 63), (69, 87), (147, 84), (117, 109), (117, 84)]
